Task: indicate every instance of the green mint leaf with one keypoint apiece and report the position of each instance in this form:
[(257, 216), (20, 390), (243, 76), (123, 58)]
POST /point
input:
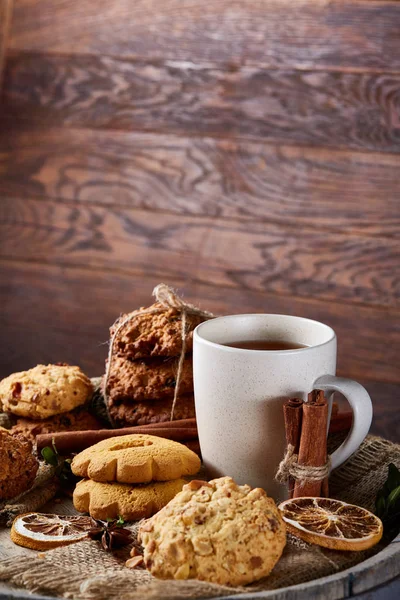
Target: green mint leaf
[(387, 502), (120, 521), (49, 456), (393, 497), (393, 480), (390, 483), (380, 506)]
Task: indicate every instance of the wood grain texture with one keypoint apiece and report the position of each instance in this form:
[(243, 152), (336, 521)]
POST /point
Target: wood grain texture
[(343, 191), (270, 32), (54, 313), (5, 18), (355, 110), (385, 400), (386, 414), (303, 263), (246, 152)]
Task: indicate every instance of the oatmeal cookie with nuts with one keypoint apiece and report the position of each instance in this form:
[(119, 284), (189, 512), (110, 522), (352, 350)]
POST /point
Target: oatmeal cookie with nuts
[(219, 532), (142, 380), (129, 414), (153, 334), (112, 500), (44, 391), (18, 466)]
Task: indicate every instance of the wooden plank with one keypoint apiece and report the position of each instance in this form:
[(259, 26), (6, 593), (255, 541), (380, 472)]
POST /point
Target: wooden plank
[(255, 256), (388, 591), (357, 110), (269, 32), (52, 313), (5, 18), (386, 419), (350, 192)]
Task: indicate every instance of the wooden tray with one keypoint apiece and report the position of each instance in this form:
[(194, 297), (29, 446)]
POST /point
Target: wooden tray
[(377, 578)]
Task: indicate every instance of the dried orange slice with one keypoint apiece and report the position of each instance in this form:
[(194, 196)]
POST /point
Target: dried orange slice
[(43, 532), (331, 523)]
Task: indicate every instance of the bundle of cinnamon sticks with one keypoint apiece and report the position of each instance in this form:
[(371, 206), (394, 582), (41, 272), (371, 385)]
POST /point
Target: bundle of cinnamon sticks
[(306, 425)]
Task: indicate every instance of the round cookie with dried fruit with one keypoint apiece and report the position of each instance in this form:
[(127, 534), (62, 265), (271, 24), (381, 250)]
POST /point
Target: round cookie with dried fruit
[(136, 458), (218, 532), (44, 391)]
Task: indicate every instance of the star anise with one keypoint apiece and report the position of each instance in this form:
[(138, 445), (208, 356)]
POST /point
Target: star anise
[(111, 533)]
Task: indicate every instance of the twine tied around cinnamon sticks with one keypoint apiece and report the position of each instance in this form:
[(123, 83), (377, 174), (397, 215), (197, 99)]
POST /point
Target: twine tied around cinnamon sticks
[(306, 465), (289, 466), (168, 299)]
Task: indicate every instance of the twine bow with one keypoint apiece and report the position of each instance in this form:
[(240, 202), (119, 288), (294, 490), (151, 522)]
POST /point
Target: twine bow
[(168, 299), (290, 467)]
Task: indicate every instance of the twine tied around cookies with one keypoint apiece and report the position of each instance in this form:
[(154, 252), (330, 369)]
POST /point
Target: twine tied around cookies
[(289, 467), (168, 299)]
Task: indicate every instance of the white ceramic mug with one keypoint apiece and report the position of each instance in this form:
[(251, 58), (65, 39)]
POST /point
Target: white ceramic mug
[(239, 393)]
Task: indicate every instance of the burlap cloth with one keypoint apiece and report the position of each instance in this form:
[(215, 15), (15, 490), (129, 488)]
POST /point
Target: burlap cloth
[(85, 572)]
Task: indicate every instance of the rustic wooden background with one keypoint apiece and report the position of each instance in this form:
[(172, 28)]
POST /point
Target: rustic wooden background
[(245, 151)]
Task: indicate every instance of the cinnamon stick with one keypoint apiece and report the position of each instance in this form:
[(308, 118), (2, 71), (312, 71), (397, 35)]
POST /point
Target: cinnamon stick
[(313, 444), (68, 442), (293, 412), (178, 423)]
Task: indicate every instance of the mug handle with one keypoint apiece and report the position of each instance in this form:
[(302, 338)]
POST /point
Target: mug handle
[(361, 405)]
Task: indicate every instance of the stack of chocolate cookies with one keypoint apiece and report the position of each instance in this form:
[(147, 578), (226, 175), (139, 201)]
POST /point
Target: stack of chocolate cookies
[(142, 375)]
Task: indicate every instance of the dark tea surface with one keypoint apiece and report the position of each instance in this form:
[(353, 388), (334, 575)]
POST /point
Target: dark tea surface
[(265, 345)]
